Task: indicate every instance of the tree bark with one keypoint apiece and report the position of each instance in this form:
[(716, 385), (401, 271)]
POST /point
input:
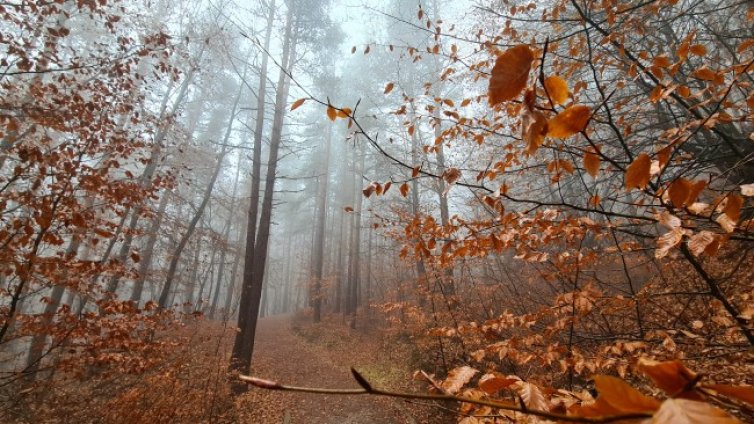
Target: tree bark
[(319, 247), (254, 268)]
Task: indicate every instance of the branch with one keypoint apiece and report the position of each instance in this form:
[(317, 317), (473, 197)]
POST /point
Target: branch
[(368, 389)]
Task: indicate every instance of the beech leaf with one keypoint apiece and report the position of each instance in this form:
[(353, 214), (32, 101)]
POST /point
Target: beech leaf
[(637, 174), (557, 89), (571, 121), (510, 74), (457, 378), (684, 411)]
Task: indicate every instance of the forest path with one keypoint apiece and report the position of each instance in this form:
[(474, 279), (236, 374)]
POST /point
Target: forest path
[(286, 357)]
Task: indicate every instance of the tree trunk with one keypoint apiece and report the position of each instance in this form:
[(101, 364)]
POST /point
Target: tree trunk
[(319, 245), (148, 252), (255, 265)]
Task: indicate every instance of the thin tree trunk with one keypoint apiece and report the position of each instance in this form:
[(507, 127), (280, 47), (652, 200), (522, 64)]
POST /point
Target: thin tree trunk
[(146, 260), (254, 268), (319, 245), (239, 354)]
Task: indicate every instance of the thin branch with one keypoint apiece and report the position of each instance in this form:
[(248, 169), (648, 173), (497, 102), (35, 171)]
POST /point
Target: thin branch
[(368, 389)]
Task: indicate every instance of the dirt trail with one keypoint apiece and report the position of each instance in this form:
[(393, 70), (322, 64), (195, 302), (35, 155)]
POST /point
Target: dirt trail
[(281, 355)]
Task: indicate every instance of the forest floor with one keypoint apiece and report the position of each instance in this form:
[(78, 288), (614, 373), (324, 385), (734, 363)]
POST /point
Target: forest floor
[(293, 351)]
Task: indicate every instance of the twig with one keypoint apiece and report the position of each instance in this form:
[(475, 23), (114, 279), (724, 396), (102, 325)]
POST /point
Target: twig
[(368, 389)]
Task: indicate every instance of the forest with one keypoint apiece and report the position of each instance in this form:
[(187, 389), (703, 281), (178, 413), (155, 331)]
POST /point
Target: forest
[(364, 211)]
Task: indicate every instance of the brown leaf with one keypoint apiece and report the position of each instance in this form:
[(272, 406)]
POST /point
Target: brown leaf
[(618, 394), (733, 207), (535, 130), (389, 87), (592, 163), (698, 49), (670, 376), (493, 382), (532, 396), (637, 174), (684, 411), (457, 378), (510, 74), (705, 74), (332, 113), (679, 192), (668, 241), (297, 104), (404, 189), (740, 393), (571, 121), (557, 88)]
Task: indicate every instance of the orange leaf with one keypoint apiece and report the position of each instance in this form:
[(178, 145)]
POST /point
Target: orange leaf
[(733, 207), (404, 189), (670, 376), (698, 50), (741, 393), (569, 122), (705, 74), (592, 163), (535, 129), (344, 113), (297, 104), (618, 394), (492, 383), (684, 411), (679, 191), (332, 113), (637, 174), (557, 88), (510, 74)]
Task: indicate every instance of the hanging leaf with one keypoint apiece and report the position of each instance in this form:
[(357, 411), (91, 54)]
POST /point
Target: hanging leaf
[(450, 176), (571, 121), (701, 241), (404, 189), (534, 131), (684, 411), (344, 113), (592, 163), (297, 104), (369, 190), (457, 378), (332, 113), (733, 207), (637, 174), (510, 74), (705, 74), (557, 89), (698, 49), (668, 241), (389, 87)]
